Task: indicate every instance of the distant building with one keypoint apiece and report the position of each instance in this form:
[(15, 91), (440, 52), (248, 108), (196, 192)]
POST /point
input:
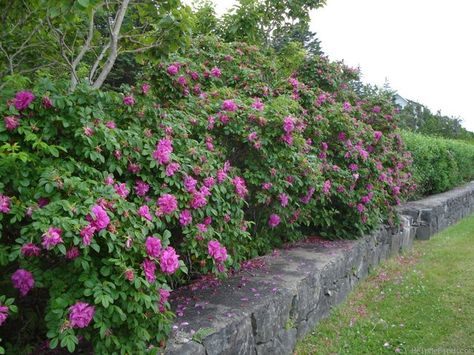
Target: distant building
[(400, 101)]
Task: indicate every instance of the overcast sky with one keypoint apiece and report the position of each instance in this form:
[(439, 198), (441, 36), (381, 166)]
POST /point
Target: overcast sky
[(424, 48)]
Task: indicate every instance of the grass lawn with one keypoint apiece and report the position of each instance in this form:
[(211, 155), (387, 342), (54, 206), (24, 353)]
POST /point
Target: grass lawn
[(418, 303)]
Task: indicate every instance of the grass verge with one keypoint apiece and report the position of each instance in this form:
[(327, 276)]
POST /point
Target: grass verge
[(418, 303)]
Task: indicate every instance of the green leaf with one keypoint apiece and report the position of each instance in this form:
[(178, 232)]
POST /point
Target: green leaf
[(62, 249), (202, 333), (53, 343), (83, 3)]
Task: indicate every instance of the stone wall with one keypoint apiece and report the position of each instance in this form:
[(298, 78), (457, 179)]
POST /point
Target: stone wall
[(276, 299)]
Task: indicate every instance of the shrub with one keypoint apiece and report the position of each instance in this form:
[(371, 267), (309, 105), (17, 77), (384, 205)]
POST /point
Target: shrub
[(439, 164), (96, 193), (342, 157), (108, 199)]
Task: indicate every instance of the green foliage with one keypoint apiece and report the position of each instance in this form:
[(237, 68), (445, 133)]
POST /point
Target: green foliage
[(254, 141), (205, 18), (272, 23), (255, 148), (53, 167), (77, 39), (439, 164), (419, 119)]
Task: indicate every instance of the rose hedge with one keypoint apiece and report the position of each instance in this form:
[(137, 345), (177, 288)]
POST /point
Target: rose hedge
[(439, 164), (108, 200), (337, 157)]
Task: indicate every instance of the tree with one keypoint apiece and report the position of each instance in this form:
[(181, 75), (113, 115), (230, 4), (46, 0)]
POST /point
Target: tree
[(87, 36), (272, 23), (206, 21)]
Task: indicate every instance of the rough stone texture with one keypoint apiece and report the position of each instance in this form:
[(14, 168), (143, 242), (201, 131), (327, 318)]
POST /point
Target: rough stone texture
[(437, 212), (266, 308)]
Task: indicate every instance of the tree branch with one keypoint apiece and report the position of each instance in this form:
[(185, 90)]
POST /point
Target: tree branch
[(114, 37), (97, 62), (82, 52)]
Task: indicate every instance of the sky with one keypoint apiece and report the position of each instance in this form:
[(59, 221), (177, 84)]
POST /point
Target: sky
[(424, 48)]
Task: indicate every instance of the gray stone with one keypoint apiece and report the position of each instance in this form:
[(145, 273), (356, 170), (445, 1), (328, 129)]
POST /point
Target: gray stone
[(234, 338), (271, 317), (284, 343), (188, 348), (264, 311)]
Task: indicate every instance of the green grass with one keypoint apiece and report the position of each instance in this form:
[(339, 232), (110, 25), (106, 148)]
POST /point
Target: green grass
[(421, 302)]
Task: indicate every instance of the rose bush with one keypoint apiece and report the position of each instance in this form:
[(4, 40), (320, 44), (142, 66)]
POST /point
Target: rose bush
[(108, 200), (311, 150), (103, 204)]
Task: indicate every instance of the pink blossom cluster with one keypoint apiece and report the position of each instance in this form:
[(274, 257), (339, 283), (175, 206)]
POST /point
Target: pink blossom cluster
[(4, 204), (23, 99), (23, 281), (98, 220), (51, 238), (81, 314), (3, 313), (167, 204), (163, 151), (240, 187)]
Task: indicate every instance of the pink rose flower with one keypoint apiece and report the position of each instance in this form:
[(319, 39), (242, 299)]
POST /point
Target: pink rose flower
[(81, 314), (134, 168), (173, 69), (46, 102), (23, 99), (144, 211), (169, 261), (163, 151), (72, 253), (153, 247), (217, 251), (149, 268), (258, 105), (100, 218), (252, 136), (129, 275), (288, 124), (11, 122), (164, 295), (274, 220), (209, 182), (121, 190), (141, 188), (377, 135), (190, 183), (88, 131), (171, 169), (326, 187), (128, 101), (51, 238), (30, 249), (216, 72), (23, 281), (229, 105), (199, 200), (167, 204), (221, 176), (239, 185), (3, 314), (185, 217), (145, 88), (4, 204), (86, 233), (283, 199)]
